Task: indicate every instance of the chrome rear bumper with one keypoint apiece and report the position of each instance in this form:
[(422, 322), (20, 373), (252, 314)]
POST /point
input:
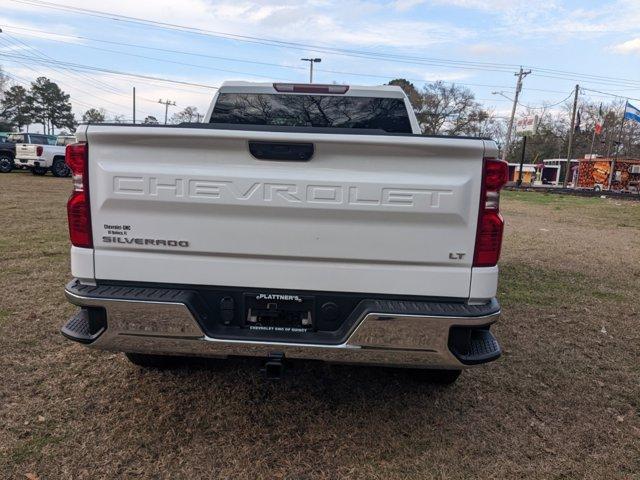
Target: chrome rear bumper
[(378, 338)]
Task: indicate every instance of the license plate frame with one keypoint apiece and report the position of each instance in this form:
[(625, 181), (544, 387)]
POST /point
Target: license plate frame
[(279, 313)]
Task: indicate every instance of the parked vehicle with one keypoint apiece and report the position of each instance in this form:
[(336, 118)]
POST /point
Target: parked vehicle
[(303, 221), (7, 154), (43, 158), (8, 148)]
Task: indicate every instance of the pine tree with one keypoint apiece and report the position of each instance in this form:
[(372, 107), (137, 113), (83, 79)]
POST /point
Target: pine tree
[(17, 107), (51, 106)]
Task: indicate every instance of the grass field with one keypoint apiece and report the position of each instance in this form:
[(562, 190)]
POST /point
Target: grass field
[(562, 402)]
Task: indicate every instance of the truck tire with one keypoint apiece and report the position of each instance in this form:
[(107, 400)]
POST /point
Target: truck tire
[(6, 163), (38, 171), (440, 377), (59, 168), (152, 361)]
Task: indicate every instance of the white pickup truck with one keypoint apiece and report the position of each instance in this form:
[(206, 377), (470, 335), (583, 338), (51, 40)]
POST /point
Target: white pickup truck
[(299, 222), (43, 158)]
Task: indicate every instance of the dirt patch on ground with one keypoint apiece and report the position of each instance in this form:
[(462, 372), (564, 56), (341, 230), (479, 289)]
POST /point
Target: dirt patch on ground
[(562, 402)]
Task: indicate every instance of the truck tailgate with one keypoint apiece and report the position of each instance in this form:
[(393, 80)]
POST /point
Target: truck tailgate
[(26, 151), (367, 213)]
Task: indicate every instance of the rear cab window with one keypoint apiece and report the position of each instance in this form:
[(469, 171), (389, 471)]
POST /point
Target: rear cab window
[(39, 140), (63, 141), (17, 138), (296, 110)]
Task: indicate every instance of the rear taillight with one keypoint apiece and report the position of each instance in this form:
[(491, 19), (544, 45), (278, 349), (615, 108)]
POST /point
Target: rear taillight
[(39, 150), (310, 88), (78, 211), (495, 174)]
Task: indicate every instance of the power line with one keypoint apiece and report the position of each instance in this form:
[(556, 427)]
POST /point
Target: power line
[(49, 60), (91, 95), (79, 66), (386, 77), (27, 83), (215, 57), (146, 47), (91, 78), (624, 83), (544, 107), (55, 65), (177, 62), (72, 68), (251, 39), (486, 66), (112, 72), (24, 58), (44, 55), (7, 41), (609, 94)]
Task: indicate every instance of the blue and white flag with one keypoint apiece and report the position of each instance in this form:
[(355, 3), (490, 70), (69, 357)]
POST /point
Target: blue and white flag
[(632, 113)]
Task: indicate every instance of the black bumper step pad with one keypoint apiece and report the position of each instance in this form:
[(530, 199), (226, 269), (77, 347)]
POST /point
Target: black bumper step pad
[(85, 326), (480, 345)]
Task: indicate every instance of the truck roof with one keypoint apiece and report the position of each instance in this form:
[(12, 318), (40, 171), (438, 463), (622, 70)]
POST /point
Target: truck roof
[(386, 91)]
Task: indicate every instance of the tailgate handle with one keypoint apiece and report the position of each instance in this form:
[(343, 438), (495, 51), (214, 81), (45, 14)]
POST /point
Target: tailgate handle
[(292, 152)]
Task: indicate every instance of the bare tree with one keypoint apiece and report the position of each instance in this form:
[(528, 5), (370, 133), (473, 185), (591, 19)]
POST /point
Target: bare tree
[(188, 115), (94, 115), (448, 109)]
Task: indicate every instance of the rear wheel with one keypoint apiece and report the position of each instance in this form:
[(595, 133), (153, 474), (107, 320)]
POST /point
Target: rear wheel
[(59, 168), (6, 163), (38, 171), (440, 377), (152, 361)]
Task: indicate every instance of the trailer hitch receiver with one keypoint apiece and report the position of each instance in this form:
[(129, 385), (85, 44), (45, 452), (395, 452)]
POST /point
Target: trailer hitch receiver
[(274, 366)]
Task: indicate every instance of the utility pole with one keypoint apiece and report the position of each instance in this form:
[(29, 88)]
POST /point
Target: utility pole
[(567, 169), (524, 147), (593, 141), (311, 62), (166, 104), (134, 105), (618, 145), (521, 74)]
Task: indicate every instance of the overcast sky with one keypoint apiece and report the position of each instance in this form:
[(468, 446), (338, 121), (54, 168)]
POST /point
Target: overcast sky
[(584, 37)]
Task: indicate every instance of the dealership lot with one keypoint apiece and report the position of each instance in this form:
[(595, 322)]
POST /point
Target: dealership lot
[(563, 401)]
